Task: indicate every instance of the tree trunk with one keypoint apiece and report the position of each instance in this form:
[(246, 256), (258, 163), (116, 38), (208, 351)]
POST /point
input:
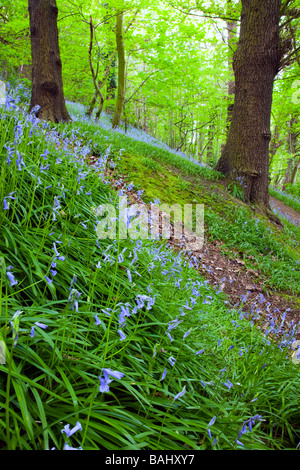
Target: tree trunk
[(121, 72), (47, 84), (256, 63), (231, 37), (292, 163), (295, 172)]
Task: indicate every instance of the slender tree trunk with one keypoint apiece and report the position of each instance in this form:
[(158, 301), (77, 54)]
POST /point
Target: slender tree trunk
[(210, 158), (231, 35), (295, 172), (292, 167), (245, 156), (121, 72), (47, 84)]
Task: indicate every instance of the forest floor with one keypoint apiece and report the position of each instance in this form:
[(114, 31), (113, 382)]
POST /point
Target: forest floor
[(284, 209), (244, 288)]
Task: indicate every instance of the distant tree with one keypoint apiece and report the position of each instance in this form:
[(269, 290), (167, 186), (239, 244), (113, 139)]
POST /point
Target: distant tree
[(47, 84), (121, 71)]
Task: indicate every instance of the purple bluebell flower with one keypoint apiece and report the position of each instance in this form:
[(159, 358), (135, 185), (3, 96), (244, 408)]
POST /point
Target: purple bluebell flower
[(97, 321), (113, 373), (129, 275), (212, 421), (200, 352), (186, 334), (180, 394), (49, 281), (228, 384), (11, 277), (69, 431), (163, 375), (41, 325), (15, 326), (73, 299), (56, 207), (239, 442), (122, 335), (172, 361), (19, 161), (104, 388), (105, 381), (170, 337), (187, 306), (10, 196)]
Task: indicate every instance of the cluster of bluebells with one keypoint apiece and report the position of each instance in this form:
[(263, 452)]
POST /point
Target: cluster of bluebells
[(247, 427), (105, 379), (136, 134)]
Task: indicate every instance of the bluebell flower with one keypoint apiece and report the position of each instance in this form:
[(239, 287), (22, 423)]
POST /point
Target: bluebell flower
[(180, 394), (186, 334), (97, 321), (49, 281), (228, 384), (170, 337), (41, 325), (11, 277), (69, 431), (200, 352), (68, 447), (172, 361), (163, 375), (19, 161), (122, 335), (212, 421), (10, 196), (15, 326), (239, 442), (105, 381), (129, 275), (73, 298)]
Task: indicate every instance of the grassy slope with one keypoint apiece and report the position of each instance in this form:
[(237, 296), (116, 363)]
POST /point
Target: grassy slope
[(238, 388), (173, 179)]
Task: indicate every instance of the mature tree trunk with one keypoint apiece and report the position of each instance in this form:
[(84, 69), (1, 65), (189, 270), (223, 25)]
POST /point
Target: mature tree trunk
[(245, 157), (47, 84), (121, 72)]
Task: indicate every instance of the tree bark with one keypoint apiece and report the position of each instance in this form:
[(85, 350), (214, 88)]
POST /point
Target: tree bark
[(47, 84), (121, 72), (256, 63)]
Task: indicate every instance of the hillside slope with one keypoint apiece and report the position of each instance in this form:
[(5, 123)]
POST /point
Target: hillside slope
[(122, 344)]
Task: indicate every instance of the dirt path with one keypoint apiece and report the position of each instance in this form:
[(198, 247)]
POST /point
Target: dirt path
[(288, 212), (243, 286)]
